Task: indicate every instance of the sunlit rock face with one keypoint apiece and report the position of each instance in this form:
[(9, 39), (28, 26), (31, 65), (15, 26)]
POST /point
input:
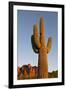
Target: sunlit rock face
[(27, 72)]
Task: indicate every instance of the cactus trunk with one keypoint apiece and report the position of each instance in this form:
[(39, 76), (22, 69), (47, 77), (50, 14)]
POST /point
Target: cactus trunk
[(40, 47), (42, 64)]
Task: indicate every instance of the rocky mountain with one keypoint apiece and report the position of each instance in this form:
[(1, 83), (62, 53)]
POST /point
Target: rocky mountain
[(27, 72), (31, 72)]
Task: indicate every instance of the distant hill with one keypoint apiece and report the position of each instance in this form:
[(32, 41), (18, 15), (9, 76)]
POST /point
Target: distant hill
[(31, 72)]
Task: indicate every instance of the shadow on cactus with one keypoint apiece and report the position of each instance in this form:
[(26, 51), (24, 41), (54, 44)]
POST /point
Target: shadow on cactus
[(41, 48)]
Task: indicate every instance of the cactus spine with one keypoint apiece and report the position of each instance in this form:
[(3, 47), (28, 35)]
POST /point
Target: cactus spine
[(39, 46)]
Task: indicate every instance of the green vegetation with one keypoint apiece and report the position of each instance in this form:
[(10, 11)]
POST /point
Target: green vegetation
[(53, 74)]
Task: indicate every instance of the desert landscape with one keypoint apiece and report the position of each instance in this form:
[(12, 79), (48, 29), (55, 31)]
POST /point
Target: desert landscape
[(31, 72), (42, 48)]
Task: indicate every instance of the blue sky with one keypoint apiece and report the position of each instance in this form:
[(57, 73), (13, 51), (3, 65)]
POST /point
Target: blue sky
[(25, 22)]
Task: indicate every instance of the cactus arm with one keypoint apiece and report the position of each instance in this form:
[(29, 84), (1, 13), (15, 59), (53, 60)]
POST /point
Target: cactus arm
[(42, 32), (42, 29), (49, 44), (36, 38), (35, 49)]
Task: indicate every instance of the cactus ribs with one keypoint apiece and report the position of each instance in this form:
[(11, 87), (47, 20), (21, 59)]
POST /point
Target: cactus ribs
[(39, 46)]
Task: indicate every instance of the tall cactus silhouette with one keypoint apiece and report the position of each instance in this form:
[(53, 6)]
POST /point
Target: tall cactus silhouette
[(39, 46)]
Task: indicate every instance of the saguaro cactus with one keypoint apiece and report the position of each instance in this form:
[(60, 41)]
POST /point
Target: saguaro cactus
[(39, 46)]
